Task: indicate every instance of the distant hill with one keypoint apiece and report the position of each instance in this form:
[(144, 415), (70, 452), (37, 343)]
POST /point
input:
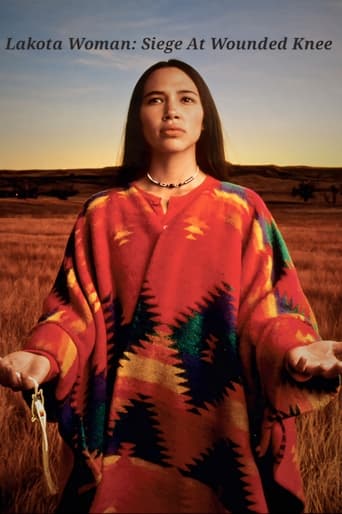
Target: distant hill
[(274, 183)]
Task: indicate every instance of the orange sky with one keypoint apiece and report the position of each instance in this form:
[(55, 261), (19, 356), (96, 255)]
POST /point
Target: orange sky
[(66, 108)]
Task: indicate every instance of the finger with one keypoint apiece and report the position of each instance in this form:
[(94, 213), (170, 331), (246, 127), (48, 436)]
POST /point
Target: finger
[(301, 365), (9, 377), (18, 385), (29, 382), (331, 370), (326, 367), (299, 371), (12, 378), (337, 349)]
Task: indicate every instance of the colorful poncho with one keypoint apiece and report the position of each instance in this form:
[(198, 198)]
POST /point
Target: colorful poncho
[(169, 332)]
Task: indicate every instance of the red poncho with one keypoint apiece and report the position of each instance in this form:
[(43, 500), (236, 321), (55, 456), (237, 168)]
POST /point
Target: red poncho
[(169, 332)]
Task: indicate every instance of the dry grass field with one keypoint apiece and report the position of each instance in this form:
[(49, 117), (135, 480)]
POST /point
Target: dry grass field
[(32, 239)]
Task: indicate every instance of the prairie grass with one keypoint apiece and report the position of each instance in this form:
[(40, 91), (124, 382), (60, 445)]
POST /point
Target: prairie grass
[(31, 251), (315, 241)]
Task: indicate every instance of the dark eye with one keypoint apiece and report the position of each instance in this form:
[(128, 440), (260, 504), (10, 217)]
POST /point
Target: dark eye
[(154, 100), (188, 99)]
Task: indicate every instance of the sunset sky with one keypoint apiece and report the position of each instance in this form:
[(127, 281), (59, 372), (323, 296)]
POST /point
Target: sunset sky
[(66, 108)]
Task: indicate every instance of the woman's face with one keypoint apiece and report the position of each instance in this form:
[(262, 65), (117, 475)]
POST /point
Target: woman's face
[(171, 112)]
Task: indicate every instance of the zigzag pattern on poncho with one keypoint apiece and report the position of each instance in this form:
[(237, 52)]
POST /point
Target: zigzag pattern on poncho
[(169, 332)]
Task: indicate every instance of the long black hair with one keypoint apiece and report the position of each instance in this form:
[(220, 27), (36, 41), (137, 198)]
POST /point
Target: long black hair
[(209, 148)]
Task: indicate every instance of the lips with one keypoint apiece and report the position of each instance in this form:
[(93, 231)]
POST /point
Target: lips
[(172, 131)]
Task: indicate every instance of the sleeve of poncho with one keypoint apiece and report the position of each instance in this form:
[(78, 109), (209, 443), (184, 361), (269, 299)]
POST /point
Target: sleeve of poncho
[(71, 322), (275, 316)]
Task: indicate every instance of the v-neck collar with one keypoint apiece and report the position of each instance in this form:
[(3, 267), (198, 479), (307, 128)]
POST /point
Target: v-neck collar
[(174, 201)]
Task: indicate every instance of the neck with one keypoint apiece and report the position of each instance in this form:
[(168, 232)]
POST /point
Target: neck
[(172, 169)]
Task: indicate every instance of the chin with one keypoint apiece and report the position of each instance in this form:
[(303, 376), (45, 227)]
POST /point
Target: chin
[(174, 146)]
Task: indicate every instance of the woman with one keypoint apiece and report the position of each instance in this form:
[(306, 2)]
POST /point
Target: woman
[(177, 342)]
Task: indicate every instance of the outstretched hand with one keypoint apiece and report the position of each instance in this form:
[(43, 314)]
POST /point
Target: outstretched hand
[(18, 368), (321, 358)]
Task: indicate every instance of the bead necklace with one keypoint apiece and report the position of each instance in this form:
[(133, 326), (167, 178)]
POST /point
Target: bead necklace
[(171, 185)]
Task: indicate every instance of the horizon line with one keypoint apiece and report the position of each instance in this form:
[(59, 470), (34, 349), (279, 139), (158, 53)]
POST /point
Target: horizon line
[(238, 165)]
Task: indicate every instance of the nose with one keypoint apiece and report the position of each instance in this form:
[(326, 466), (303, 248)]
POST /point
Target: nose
[(170, 112)]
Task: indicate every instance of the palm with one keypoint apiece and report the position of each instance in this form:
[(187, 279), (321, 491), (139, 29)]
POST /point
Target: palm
[(321, 358)]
